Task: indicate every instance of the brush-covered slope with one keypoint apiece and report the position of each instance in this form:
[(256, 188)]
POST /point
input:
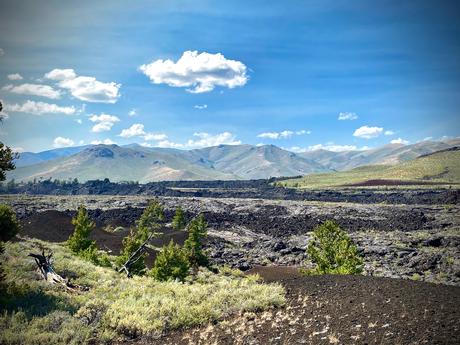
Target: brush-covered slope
[(442, 167), (254, 162), (119, 164), (388, 154)]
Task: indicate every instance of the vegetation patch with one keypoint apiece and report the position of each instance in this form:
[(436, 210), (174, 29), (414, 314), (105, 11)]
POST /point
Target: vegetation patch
[(115, 306)]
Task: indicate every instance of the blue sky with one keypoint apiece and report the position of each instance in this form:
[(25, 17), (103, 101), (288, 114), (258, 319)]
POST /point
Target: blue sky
[(271, 72)]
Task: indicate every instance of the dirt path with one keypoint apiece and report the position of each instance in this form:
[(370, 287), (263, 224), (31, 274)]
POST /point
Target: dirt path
[(341, 310)]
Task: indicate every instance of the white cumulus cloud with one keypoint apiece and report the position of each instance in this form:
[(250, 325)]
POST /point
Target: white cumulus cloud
[(132, 112), (155, 136), (203, 140), (281, 135), (367, 132), (62, 142), (200, 106), (104, 122), (15, 76), (85, 88), (105, 142), (40, 108), (399, 141), (388, 132), (199, 72), (347, 116), (33, 90), (136, 130)]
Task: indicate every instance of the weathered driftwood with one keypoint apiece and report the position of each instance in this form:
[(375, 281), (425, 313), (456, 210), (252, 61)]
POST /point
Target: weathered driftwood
[(134, 257), (45, 267)]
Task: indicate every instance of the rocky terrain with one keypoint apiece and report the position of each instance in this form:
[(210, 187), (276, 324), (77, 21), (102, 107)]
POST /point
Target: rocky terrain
[(418, 242)]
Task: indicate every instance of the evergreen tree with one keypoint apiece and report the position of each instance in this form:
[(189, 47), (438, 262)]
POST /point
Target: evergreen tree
[(333, 252), (179, 221), (79, 240), (148, 222), (171, 263), (131, 243), (147, 225), (193, 245), (9, 227)]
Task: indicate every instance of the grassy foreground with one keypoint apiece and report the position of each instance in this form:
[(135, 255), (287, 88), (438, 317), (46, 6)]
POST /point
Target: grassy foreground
[(33, 312), (440, 168)]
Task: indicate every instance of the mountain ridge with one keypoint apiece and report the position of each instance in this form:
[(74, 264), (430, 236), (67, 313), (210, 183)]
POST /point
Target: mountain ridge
[(134, 162)]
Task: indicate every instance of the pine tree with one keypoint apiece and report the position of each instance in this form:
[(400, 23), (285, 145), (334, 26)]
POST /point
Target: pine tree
[(179, 221), (171, 263), (193, 245), (148, 222), (131, 243), (333, 252), (79, 240)]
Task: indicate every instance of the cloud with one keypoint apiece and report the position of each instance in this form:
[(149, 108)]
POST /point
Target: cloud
[(329, 147), (199, 72), (61, 74), (389, 132), (367, 132), (132, 112), (62, 142), (281, 135), (347, 116), (399, 141), (40, 108), (2, 52), (104, 142), (204, 140), (79, 121), (200, 106), (85, 88), (156, 137), (34, 90), (104, 122), (136, 130), (15, 76)]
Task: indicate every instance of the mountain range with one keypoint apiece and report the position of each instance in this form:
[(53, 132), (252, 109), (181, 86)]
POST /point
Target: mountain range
[(224, 162)]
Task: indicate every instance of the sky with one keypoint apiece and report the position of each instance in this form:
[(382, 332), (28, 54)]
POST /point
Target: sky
[(301, 75)]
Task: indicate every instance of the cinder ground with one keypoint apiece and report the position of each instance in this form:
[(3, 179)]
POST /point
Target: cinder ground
[(340, 310)]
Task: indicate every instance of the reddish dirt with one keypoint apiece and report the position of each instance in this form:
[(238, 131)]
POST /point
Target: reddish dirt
[(340, 310), (378, 182)]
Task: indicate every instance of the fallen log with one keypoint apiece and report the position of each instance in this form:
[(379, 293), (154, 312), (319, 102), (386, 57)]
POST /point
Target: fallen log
[(45, 267)]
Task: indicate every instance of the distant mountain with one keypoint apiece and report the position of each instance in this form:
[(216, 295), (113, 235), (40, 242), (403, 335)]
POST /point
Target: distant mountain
[(438, 168), (29, 158), (137, 163), (388, 154)]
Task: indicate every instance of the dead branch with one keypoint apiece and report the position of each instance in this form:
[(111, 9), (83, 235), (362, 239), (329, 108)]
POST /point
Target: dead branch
[(45, 267), (134, 257)]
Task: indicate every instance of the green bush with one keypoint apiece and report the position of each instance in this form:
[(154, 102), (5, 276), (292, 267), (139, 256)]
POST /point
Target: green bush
[(193, 245), (333, 252), (179, 222), (79, 240), (170, 264), (9, 225)]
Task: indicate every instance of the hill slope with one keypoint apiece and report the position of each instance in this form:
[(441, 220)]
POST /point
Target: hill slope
[(442, 167)]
